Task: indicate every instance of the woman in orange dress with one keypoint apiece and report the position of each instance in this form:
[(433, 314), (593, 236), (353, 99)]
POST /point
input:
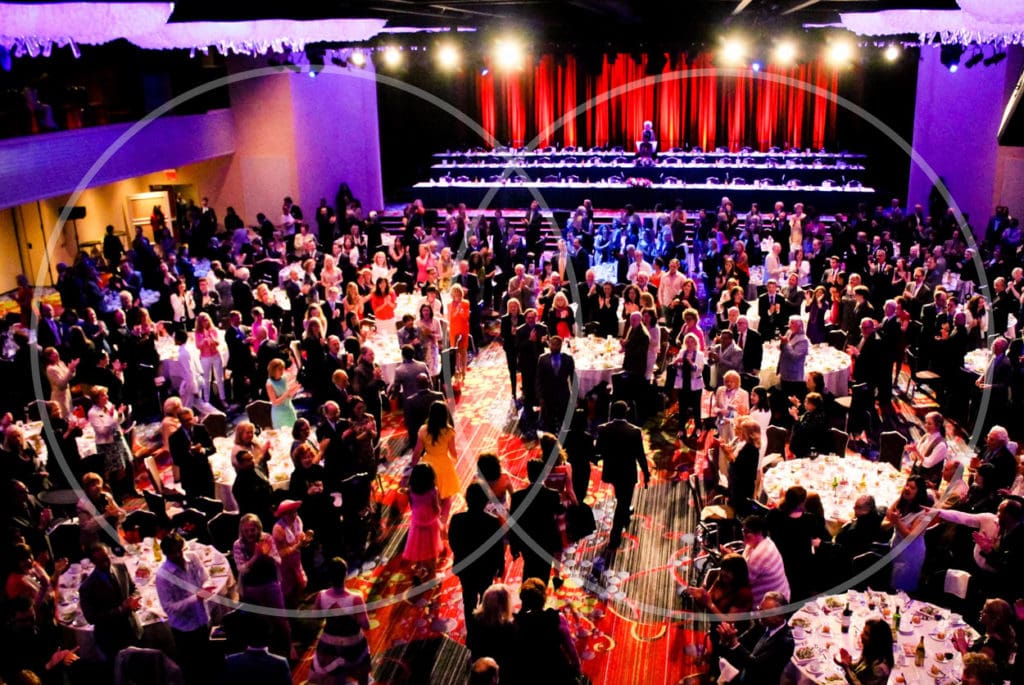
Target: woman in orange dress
[(458, 329)]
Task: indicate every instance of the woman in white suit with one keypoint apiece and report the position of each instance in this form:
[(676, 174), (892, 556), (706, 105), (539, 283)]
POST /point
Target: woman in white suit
[(690, 383)]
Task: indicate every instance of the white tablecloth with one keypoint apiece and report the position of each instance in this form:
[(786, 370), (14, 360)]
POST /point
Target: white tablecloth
[(977, 361), (137, 558), (597, 359), (819, 637), (279, 467), (833, 364), (839, 481)]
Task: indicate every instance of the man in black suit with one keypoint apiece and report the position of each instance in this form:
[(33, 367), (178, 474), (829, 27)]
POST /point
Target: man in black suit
[(471, 289), (750, 342), (419, 404), (109, 601), (511, 322), (556, 374), (334, 450), (256, 665), (48, 333), (621, 446), (771, 310), (919, 293), (996, 380), (933, 315), (999, 455), (534, 221), (762, 652), (241, 294), (191, 447), (478, 548), (873, 366), (531, 340), (534, 522), (240, 359), (1003, 304)]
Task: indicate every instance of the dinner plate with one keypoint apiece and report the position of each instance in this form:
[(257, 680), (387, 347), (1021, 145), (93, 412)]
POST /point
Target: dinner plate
[(906, 629), (815, 667)]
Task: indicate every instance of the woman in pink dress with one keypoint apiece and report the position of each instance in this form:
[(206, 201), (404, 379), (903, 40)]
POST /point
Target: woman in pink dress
[(289, 539), (423, 545)]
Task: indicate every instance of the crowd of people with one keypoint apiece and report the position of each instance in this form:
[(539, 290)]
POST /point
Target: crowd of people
[(291, 311)]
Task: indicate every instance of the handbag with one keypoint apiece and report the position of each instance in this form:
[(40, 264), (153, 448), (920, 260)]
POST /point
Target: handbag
[(579, 521)]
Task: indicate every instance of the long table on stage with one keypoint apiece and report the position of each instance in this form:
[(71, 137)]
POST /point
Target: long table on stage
[(780, 157), (567, 195), (807, 174)]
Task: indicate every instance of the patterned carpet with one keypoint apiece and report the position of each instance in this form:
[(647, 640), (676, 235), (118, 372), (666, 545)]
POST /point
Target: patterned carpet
[(622, 626)]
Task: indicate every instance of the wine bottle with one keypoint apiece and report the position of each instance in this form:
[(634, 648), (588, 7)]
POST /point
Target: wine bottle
[(158, 554), (919, 653), (847, 616), (896, 619)]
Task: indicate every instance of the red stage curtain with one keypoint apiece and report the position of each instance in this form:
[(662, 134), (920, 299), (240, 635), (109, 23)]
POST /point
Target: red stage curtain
[(707, 111)]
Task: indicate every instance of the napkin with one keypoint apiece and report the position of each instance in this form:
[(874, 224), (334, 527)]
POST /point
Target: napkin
[(956, 582), (727, 671)]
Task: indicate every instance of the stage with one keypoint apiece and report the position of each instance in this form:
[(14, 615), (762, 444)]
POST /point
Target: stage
[(566, 195)]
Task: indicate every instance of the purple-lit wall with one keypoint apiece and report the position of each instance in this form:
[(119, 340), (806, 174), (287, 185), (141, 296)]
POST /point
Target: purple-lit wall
[(955, 123), (337, 137), (38, 167)]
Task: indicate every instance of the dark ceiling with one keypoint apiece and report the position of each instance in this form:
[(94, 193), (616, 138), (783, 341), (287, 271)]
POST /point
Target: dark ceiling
[(575, 22)]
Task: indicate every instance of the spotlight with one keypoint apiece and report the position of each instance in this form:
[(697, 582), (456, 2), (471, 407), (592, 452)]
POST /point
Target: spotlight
[(485, 71), (509, 54), (392, 56), (840, 52), (892, 53), (358, 58), (785, 52), (312, 73), (448, 56), (733, 51), (950, 56), (756, 66)]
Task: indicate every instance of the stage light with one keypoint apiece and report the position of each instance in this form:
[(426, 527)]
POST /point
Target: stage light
[(756, 66), (892, 53), (785, 52), (950, 56), (448, 56), (485, 71), (358, 58), (509, 54), (392, 56), (840, 52), (733, 51)]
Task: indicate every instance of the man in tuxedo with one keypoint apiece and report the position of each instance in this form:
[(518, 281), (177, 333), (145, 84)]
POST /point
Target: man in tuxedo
[(1003, 305), (620, 445), (534, 523), (109, 600), (880, 279), (241, 294), (556, 374), (873, 366), (933, 315), (531, 340), (419, 404), (191, 448), (793, 293), (335, 453), (338, 391), (750, 342), (770, 310), (761, 653), (477, 548), (48, 333), (919, 293)]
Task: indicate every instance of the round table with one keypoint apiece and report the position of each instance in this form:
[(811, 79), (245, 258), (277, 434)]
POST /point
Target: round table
[(597, 360), (142, 566), (833, 364), (279, 467), (839, 481), (818, 638)]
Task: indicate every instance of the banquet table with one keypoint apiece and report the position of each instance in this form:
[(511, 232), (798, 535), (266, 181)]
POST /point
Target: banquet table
[(597, 360), (818, 638), (839, 481), (279, 467), (142, 566), (977, 361), (86, 442), (833, 364)]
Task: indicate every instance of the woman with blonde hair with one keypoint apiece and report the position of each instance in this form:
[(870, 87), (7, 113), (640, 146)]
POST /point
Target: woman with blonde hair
[(59, 375), (445, 269), (560, 319), (170, 423), (490, 631), (330, 274), (259, 573), (743, 455), (280, 392), (353, 301), (245, 441), (458, 329), (208, 342), (379, 267)]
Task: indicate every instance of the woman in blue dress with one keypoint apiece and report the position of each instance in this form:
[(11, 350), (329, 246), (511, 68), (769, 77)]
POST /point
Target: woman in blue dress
[(280, 393)]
